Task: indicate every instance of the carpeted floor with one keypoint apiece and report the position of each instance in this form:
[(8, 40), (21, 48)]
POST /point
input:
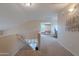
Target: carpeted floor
[(48, 47), (27, 51)]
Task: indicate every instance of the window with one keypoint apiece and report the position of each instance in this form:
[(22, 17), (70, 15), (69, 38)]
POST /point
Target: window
[(45, 28)]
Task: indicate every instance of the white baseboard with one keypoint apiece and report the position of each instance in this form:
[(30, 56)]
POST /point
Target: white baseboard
[(66, 48), (4, 54)]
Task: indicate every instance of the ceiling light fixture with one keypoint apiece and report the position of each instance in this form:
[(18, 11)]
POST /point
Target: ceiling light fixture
[(71, 10), (27, 4)]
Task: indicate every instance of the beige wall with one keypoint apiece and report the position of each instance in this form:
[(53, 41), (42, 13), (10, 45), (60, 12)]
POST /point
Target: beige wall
[(69, 40)]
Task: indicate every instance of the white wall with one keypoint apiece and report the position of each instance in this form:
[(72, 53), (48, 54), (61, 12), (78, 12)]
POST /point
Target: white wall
[(69, 40)]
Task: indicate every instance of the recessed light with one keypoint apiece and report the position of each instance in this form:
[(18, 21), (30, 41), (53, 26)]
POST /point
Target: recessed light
[(27, 4), (71, 9)]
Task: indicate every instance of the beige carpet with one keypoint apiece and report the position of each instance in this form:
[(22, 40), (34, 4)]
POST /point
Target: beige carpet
[(49, 47), (27, 51)]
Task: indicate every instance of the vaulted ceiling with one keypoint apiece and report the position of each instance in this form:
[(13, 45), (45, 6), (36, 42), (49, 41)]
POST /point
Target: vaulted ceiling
[(12, 14)]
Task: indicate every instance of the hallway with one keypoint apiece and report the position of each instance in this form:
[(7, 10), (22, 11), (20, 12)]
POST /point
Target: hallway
[(48, 47)]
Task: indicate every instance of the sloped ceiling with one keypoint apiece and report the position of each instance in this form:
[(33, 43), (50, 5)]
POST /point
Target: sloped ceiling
[(13, 14)]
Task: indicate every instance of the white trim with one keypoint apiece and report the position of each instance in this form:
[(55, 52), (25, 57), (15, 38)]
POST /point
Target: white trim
[(4, 54), (66, 48)]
